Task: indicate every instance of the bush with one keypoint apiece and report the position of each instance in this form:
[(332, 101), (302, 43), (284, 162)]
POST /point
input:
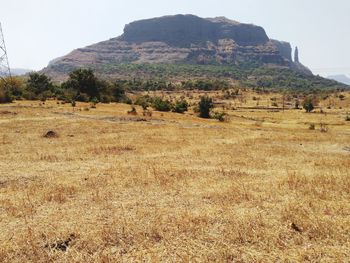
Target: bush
[(220, 116), (323, 127), (5, 96), (180, 106), (312, 126), (83, 97), (341, 97), (94, 101), (118, 92), (297, 104), (308, 104), (204, 106), (347, 118), (161, 105), (132, 111), (14, 85)]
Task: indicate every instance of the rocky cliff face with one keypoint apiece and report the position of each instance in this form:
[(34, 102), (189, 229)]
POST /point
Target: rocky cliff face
[(188, 30), (183, 39)]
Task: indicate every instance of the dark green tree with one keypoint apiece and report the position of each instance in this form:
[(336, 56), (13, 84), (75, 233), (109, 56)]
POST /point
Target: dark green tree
[(308, 104), (205, 105), (39, 83), (84, 82)]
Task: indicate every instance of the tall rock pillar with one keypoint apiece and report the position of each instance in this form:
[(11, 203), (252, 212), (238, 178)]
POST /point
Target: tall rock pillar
[(296, 55)]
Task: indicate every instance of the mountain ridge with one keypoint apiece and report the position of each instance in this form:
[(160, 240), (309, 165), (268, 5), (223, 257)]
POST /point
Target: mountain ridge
[(185, 39)]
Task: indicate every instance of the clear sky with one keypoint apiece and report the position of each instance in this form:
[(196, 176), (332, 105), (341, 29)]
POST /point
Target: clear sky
[(37, 31)]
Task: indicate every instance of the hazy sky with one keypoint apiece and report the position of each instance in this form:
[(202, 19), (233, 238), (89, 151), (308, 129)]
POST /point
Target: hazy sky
[(37, 31)]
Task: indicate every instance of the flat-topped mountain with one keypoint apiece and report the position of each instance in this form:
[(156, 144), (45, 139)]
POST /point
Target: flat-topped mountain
[(182, 39)]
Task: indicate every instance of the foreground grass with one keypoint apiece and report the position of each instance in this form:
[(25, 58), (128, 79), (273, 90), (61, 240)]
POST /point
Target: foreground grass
[(113, 187)]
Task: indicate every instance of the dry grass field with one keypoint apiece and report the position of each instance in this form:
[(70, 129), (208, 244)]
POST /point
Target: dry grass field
[(112, 187)]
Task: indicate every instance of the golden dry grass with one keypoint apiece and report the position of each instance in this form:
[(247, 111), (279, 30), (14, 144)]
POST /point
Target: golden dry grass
[(173, 188)]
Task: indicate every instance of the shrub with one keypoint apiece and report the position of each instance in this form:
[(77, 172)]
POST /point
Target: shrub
[(94, 102), (83, 97), (204, 106), (297, 104), (220, 116), (347, 118), (143, 101), (128, 101), (312, 126), (161, 105), (106, 99), (5, 96), (14, 85), (132, 111), (341, 97), (308, 104), (323, 127), (180, 106)]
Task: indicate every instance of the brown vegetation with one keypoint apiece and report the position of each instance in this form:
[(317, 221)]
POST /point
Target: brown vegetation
[(260, 187)]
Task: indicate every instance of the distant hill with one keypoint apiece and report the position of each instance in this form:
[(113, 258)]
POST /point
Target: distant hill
[(20, 71), (186, 46), (340, 78)]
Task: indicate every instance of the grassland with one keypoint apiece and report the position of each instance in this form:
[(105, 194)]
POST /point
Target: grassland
[(113, 187)]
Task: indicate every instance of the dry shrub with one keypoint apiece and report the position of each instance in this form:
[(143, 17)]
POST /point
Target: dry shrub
[(147, 113), (111, 149), (59, 193), (49, 158)]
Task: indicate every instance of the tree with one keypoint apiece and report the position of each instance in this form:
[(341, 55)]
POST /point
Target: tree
[(118, 91), (11, 88), (84, 81), (205, 105), (308, 104), (38, 83), (5, 94)]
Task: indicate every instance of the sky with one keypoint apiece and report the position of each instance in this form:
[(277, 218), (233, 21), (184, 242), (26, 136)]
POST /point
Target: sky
[(37, 31)]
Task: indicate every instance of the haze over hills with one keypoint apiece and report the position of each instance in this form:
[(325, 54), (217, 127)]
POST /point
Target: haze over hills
[(20, 71), (199, 47), (340, 78)]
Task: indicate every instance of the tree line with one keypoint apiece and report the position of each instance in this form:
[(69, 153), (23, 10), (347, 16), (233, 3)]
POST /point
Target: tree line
[(83, 85)]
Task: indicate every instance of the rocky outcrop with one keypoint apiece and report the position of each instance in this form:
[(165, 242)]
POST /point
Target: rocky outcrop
[(296, 55), (297, 66), (188, 30), (183, 39)]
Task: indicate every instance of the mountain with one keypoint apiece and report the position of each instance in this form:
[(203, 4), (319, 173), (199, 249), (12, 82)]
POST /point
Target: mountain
[(340, 78), (180, 47), (183, 39)]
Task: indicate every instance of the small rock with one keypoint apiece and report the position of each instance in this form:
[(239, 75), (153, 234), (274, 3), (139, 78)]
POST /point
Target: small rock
[(51, 134)]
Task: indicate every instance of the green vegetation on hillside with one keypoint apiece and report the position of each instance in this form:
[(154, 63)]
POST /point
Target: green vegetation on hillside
[(85, 85), (245, 75)]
